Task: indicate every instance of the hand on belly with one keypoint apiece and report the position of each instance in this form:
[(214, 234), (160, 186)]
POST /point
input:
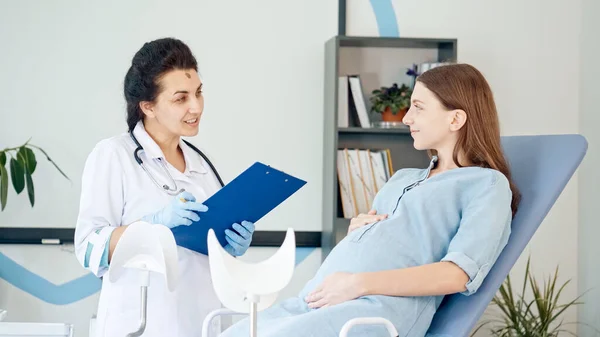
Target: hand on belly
[(365, 219), (335, 289)]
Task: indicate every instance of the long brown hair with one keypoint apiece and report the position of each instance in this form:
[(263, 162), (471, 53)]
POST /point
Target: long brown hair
[(462, 86)]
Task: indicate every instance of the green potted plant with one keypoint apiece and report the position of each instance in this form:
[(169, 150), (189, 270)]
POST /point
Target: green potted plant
[(21, 163), (391, 102), (539, 316)]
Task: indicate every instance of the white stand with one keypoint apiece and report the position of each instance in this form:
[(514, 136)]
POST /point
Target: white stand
[(246, 287), (147, 248), (143, 305)]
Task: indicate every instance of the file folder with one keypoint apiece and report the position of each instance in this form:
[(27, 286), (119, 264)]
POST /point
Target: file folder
[(250, 196)]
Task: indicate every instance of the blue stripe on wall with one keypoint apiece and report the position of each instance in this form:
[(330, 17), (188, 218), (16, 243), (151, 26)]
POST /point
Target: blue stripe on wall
[(302, 253), (386, 18), (74, 290), (45, 290)]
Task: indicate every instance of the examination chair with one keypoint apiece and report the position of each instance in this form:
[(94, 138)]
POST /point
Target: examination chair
[(541, 167)]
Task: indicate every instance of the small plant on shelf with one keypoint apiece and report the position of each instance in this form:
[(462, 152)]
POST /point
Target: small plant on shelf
[(391, 102)]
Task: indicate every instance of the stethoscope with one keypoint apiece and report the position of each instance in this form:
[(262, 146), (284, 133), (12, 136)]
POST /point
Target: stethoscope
[(168, 189)]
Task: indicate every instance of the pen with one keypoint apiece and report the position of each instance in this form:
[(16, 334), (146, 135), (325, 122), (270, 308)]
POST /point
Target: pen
[(182, 199)]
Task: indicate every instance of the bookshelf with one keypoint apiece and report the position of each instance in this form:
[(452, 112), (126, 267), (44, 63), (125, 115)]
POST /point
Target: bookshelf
[(378, 61), (358, 130)]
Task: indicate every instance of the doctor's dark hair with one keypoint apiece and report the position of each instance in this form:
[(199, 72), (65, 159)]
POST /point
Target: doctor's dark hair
[(462, 86), (149, 64)]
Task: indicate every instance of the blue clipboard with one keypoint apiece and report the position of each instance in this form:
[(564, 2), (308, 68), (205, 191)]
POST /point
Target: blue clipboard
[(250, 196)]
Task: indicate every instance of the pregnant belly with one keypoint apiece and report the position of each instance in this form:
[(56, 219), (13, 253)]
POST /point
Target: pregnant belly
[(364, 250), (369, 251)]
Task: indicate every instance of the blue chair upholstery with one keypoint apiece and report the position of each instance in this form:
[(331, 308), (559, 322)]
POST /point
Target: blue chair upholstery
[(541, 167)]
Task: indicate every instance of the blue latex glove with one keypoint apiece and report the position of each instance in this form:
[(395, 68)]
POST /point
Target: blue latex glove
[(181, 211), (237, 244)]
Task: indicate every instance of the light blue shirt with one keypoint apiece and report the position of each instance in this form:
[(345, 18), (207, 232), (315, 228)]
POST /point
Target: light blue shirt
[(462, 215)]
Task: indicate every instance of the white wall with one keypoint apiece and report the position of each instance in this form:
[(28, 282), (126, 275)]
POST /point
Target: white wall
[(529, 51), (63, 64), (63, 67), (589, 182)]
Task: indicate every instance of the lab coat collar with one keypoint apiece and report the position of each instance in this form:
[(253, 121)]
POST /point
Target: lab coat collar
[(151, 149), (193, 161)]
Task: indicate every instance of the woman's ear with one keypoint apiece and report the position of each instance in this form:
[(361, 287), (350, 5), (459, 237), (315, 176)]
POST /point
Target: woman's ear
[(459, 118), (148, 109)]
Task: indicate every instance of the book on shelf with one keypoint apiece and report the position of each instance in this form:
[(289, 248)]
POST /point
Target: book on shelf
[(361, 174), (342, 108), (352, 103)]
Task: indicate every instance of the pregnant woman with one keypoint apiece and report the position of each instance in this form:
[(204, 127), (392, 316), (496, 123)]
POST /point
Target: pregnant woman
[(432, 232)]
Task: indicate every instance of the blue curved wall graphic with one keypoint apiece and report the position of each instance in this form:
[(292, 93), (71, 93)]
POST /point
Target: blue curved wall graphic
[(74, 290), (386, 18), (45, 290)]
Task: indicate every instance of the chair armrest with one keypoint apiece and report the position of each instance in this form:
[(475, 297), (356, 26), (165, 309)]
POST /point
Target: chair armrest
[(368, 320), (213, 314)]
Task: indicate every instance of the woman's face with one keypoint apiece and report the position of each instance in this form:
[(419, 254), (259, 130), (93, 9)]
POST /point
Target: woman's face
[(432, 126), (179, 105)]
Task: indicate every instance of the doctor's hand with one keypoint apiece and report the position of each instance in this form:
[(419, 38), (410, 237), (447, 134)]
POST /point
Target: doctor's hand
[(181, 211), (237, 244), (365, 219), (335, 289)]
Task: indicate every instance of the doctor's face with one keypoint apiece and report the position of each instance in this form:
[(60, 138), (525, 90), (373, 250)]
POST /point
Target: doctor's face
[(179, 105), (429, 121)]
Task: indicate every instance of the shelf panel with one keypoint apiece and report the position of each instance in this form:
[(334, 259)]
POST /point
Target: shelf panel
[(354, 130), (340, 228), (395, 42)]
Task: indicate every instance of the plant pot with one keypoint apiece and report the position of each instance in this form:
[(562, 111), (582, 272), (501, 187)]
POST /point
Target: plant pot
[(388, 116)]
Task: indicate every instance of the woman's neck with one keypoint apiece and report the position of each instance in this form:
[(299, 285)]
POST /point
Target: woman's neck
[(168, 142), (446, 162)]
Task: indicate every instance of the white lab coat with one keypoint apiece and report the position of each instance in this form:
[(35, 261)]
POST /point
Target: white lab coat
[(116, 191)]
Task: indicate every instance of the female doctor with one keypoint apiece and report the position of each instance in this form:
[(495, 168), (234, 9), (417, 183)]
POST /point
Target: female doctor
[(164, 102)]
